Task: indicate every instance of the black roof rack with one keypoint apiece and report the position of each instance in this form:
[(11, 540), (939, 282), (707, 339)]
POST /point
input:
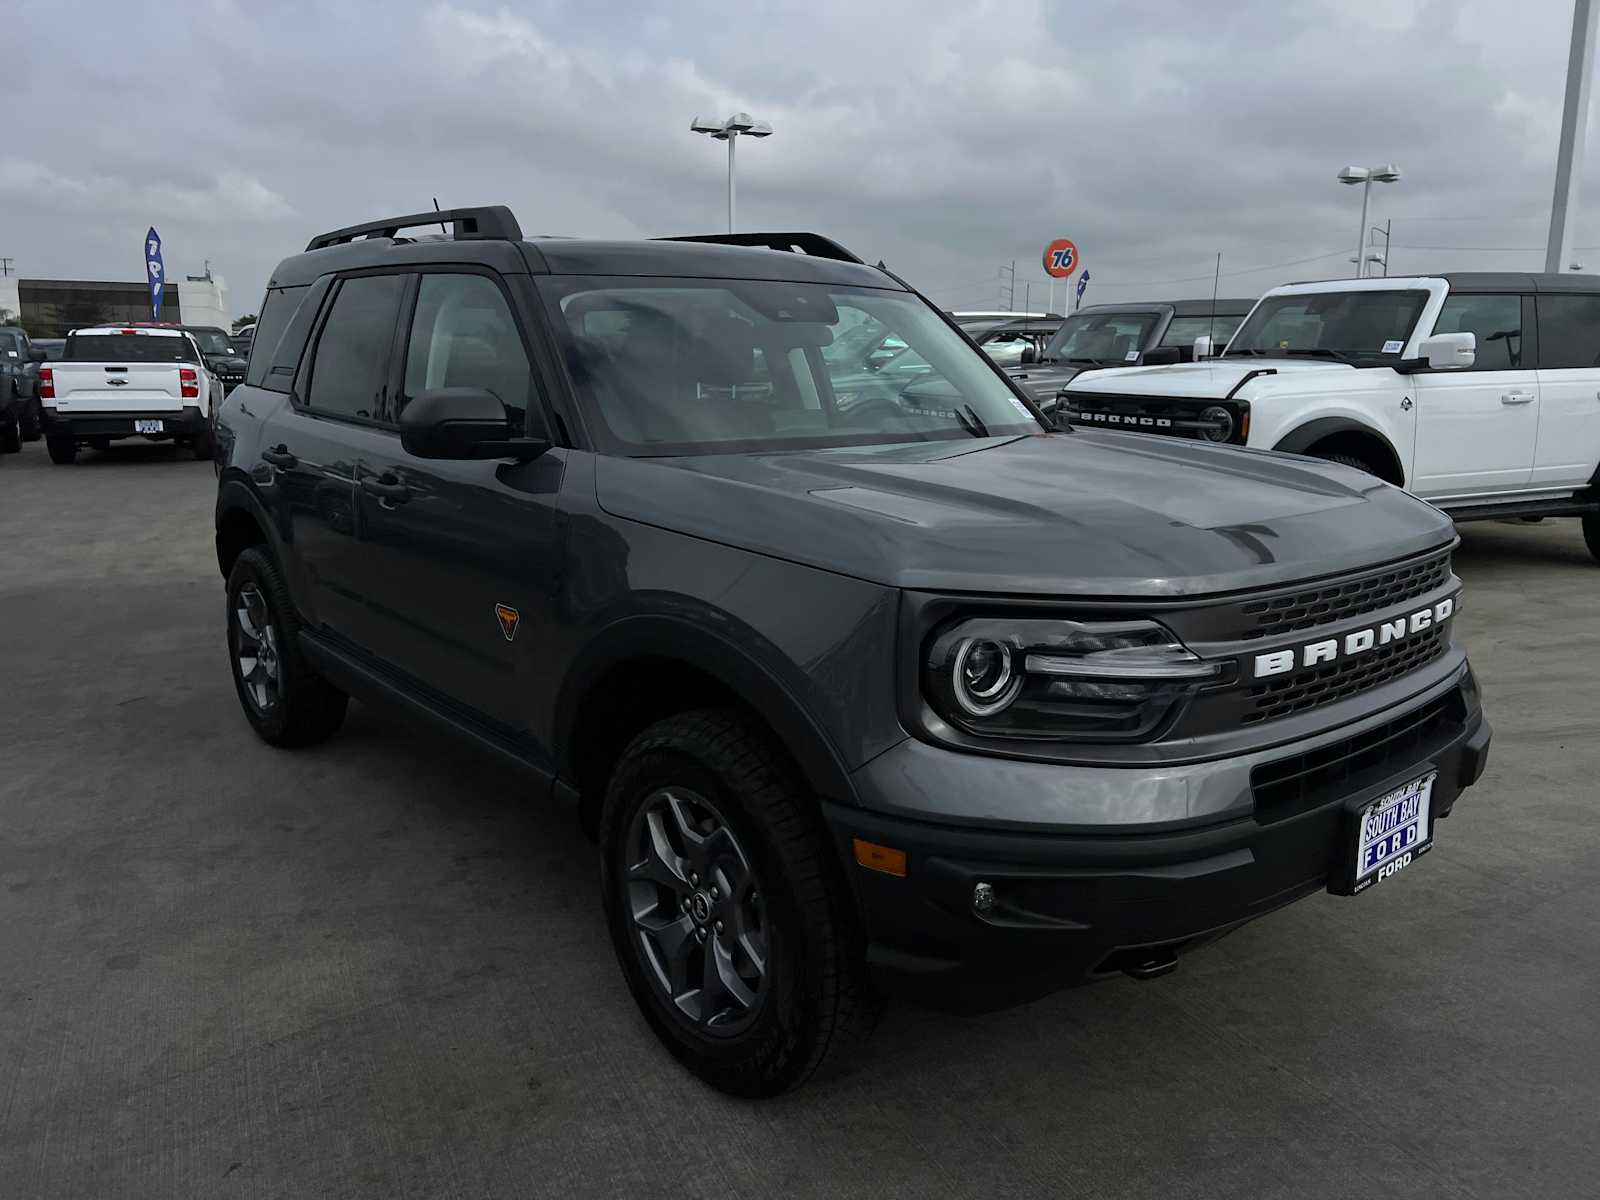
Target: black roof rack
[(812, 244), (491, 221)]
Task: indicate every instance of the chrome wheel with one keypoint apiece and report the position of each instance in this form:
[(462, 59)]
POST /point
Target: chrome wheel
[(699, 923), (256, 649)]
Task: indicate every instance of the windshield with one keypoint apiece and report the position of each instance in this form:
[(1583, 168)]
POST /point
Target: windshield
[(1183, 330), (212, 341), (693, 366), (128, 347), (1339, 325), (1102, 337)]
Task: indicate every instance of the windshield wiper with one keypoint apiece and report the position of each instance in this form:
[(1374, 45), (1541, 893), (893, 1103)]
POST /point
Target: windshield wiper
[(970, 421)]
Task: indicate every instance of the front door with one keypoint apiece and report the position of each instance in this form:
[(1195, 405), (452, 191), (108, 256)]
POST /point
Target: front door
[(462, 558), (1569, 390), (1476, 428)]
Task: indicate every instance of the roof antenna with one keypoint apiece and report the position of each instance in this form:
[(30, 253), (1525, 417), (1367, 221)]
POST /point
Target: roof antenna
[(1211, 325), (437, 209)]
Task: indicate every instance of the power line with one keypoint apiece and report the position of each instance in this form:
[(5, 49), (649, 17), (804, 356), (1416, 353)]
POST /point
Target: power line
[(1293, 262)]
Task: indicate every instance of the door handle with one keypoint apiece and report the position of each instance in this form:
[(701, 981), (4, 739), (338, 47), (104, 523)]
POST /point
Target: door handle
[(387, 488), (279, 456), (1516, 397)]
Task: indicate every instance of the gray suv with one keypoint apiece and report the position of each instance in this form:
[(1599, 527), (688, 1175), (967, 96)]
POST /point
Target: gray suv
[(907, 694)]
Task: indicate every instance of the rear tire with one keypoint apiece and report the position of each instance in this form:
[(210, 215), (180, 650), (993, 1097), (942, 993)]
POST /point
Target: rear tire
[(1591, 533), (729, 918), (32, 421), (11, 436), (286, 702), (203, 445), (63, 450)]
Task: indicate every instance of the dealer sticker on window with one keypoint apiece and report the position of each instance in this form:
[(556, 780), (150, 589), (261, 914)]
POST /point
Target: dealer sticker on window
[(1393, 347), (1392, 831)]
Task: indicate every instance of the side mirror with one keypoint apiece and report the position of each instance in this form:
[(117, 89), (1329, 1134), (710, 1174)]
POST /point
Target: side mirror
[(465, 423), (1161, 356), (1030, 354), (35, 354), (1203, 347), (1449, 351)]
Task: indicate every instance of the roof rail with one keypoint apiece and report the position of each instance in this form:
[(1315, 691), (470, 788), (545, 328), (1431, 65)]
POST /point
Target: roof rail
[(490, 221), (813, 244)]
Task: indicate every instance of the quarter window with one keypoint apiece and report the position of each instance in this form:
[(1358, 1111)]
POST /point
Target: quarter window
[(1569, 331), (1496, 322), (463, 335), (350, 371)]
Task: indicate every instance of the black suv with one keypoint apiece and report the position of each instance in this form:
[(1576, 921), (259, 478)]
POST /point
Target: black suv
[(909, 693)]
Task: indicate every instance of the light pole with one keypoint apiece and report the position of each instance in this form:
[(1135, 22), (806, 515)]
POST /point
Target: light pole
[(729, 131), (1365, 176)]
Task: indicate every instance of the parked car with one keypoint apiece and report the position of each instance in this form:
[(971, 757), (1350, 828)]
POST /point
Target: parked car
[(118, 382), (1115, 335), (911, 693), (19, 389), (1011, 342), (240, 344), (223, 360), (1477, 392)]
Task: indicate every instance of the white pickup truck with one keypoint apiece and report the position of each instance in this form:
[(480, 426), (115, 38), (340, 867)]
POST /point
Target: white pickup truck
[(114, 382), (1477, 392)]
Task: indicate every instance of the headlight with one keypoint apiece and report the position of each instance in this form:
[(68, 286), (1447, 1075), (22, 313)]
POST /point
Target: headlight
[(1110, 681), (1222, 428)]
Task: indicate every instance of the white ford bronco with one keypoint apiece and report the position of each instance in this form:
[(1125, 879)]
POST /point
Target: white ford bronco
[(1477, 392)]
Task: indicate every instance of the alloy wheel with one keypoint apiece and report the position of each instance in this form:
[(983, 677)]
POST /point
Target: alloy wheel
[(256, 649), (701, 929)]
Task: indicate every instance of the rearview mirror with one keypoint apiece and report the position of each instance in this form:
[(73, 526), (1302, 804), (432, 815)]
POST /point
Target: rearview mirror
[(462, 422), (1449, 351)]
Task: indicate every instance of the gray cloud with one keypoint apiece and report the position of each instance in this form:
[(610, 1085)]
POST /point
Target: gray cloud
[(948, 139)]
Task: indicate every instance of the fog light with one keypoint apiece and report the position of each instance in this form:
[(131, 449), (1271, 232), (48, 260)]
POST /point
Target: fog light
[(983, 896)]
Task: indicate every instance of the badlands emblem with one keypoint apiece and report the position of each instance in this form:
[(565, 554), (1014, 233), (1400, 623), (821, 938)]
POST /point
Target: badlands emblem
[(1313, 654), (508, 618)]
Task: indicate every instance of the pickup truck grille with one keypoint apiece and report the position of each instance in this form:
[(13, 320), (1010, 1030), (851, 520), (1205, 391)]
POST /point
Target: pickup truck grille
[(1344, 598)]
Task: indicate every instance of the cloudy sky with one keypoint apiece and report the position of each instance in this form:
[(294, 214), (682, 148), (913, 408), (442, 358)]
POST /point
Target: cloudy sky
[(948, 139)]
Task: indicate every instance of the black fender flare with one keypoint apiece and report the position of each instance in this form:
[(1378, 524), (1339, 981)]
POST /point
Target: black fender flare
[(665, 636), (1303, 437)]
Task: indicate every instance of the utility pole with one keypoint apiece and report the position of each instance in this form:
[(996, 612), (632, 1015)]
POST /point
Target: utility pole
[(5, 265), (1011, 304), (1569, 154)]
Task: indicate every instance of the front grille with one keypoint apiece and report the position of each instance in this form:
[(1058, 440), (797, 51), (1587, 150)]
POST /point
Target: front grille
[(1175, 417), (1316, 686), (1305, 781), (1346, 598)]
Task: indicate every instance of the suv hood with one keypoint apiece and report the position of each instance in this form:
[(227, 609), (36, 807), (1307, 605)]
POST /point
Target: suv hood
[(1043, 380), (1085, 513), (1207, 380)]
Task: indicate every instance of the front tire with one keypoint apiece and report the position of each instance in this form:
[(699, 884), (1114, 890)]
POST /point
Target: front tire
[(286, 702), (11, 436), (1349, 460), (726, 910), (63, 450)]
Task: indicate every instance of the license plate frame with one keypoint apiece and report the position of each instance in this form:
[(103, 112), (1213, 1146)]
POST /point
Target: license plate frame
[(1384, 834), (151, 425)]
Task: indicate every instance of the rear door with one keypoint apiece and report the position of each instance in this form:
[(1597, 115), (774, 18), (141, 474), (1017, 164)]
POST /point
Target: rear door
[(311, 444), (1569, 390), (1476, 428), (461, 558)]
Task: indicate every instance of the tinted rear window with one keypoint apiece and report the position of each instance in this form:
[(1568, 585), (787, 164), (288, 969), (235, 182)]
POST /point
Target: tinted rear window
[(128, 347), (1569, 331)]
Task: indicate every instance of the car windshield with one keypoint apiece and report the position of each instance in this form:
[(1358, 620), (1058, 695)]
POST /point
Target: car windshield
[(212, 341), (1339, 325), (1102, 337), (693, 366), (125, 347), (1183, 330)]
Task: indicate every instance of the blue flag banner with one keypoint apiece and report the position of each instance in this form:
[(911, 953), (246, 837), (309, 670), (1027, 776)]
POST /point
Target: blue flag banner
[(153, 267), (1083, 282)]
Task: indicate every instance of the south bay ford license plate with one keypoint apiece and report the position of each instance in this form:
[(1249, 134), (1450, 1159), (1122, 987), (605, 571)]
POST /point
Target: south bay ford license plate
[(149, 427), (1390, 832)]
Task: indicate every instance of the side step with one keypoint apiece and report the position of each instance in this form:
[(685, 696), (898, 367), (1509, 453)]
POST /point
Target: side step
[(1571, 507)]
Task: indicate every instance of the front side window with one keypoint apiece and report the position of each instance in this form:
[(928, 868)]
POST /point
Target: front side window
[(1496, 323), (704, 366), (1344, 326), (1182, 331), (1102, 339), (277, 308), (1569, 330), (350, 370), (463, 335)]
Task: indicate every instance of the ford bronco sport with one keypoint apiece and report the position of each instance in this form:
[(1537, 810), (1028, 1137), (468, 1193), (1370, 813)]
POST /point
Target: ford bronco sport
[(910, 693)]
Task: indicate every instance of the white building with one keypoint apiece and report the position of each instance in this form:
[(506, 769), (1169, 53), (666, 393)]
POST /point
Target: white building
[(53, 307)]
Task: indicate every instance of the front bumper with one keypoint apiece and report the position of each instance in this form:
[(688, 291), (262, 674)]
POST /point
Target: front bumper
[(1076, 905), (81, 426)]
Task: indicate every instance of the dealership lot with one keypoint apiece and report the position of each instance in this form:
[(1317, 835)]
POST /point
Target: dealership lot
[(372, 968)]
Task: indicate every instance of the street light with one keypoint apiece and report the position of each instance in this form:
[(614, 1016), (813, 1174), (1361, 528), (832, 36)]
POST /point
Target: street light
[(729, 131), (1366, 176)]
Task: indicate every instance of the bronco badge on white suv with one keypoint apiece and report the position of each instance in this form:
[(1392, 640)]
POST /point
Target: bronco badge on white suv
[(1477, 392)]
